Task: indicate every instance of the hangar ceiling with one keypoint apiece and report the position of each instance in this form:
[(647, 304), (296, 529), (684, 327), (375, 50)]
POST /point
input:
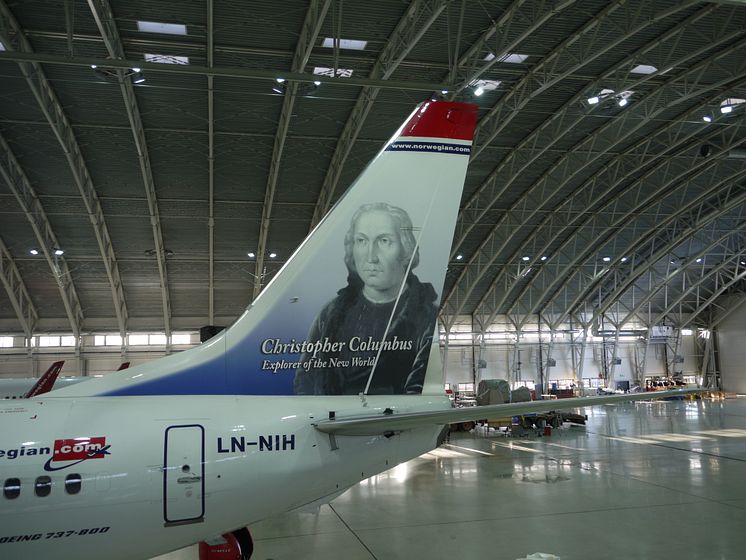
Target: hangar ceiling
[(608, 178)]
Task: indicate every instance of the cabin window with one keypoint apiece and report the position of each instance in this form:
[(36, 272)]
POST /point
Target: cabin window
[(72, 483), (12, 488), (43, 486)]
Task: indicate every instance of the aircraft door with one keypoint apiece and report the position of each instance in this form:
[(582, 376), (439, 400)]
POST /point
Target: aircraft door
[(183, 475)]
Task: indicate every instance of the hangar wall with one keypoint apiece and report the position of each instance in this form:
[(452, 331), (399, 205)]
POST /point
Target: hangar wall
[(732, 350), (502, 358)]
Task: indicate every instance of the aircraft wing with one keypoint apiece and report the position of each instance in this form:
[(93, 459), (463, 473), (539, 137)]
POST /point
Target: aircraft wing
[(396, 422)]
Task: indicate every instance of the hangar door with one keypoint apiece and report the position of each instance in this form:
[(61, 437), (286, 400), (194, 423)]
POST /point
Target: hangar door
[(183, 474)]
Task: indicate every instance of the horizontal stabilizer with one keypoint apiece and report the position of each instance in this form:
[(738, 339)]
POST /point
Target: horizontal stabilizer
[(380, 424)]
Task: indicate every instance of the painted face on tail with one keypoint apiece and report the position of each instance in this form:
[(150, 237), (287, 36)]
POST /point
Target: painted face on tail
[(378, 255)]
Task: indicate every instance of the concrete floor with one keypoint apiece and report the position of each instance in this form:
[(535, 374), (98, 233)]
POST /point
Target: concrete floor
[(664, 480)]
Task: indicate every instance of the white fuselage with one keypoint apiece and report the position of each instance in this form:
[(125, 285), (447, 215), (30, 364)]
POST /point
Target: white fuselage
[(159, 473)]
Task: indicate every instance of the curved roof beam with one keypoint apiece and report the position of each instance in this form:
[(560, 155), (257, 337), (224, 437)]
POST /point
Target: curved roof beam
[(724, 286), (728, 196), (597, 193), (563, 120), (585, 45), (648, 193), (420, 15), (63, 131), (516, 24), (696, 289), (104, 18), (210, 166), (548, 189), (308, 35), (21, 187), (17, 293), (683, 278)]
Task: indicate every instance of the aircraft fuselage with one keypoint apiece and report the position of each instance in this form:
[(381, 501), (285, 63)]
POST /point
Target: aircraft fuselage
[(137, 477)]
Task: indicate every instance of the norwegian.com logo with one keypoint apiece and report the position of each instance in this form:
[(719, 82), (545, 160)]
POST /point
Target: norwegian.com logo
[(76, 450)]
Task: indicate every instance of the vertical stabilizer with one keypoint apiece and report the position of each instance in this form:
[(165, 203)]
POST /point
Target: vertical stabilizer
[(46, 381), (354, 309)]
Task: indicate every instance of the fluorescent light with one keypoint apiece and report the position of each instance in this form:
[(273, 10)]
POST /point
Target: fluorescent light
[(510, 58), (514, 58), (340, 73), (351, 44), (166, 58), (727, 105), (136, 69), (280, 80), (159, 27), (484, 85), (644, 69), (593, 100), (707, 118)]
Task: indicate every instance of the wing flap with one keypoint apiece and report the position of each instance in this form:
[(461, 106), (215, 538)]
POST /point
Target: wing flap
[(383, 423)]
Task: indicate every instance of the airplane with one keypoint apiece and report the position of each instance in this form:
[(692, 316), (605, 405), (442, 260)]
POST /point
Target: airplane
[(316, 386), (22, 388), (31, 387)]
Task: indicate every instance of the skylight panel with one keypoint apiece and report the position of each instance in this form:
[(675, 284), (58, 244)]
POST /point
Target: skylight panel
[(510, 58), (166, 58), (159, 27), (341, 72), (644, 69), (350, 44)]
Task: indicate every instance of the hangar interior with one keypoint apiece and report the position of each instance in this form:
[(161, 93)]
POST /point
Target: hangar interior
[(162, 160), (160, 165)]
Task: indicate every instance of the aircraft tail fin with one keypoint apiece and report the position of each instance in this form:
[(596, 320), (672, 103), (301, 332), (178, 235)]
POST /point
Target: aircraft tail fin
[(354, 309), (46, 381)]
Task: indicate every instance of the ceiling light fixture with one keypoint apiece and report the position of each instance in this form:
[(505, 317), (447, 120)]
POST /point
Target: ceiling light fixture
[(524, 259), (272, 255), (593, 100), (478, 91), (251, 254), (606, 259), (622, 102), (707, 118), (34, 251), (459, 257)]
